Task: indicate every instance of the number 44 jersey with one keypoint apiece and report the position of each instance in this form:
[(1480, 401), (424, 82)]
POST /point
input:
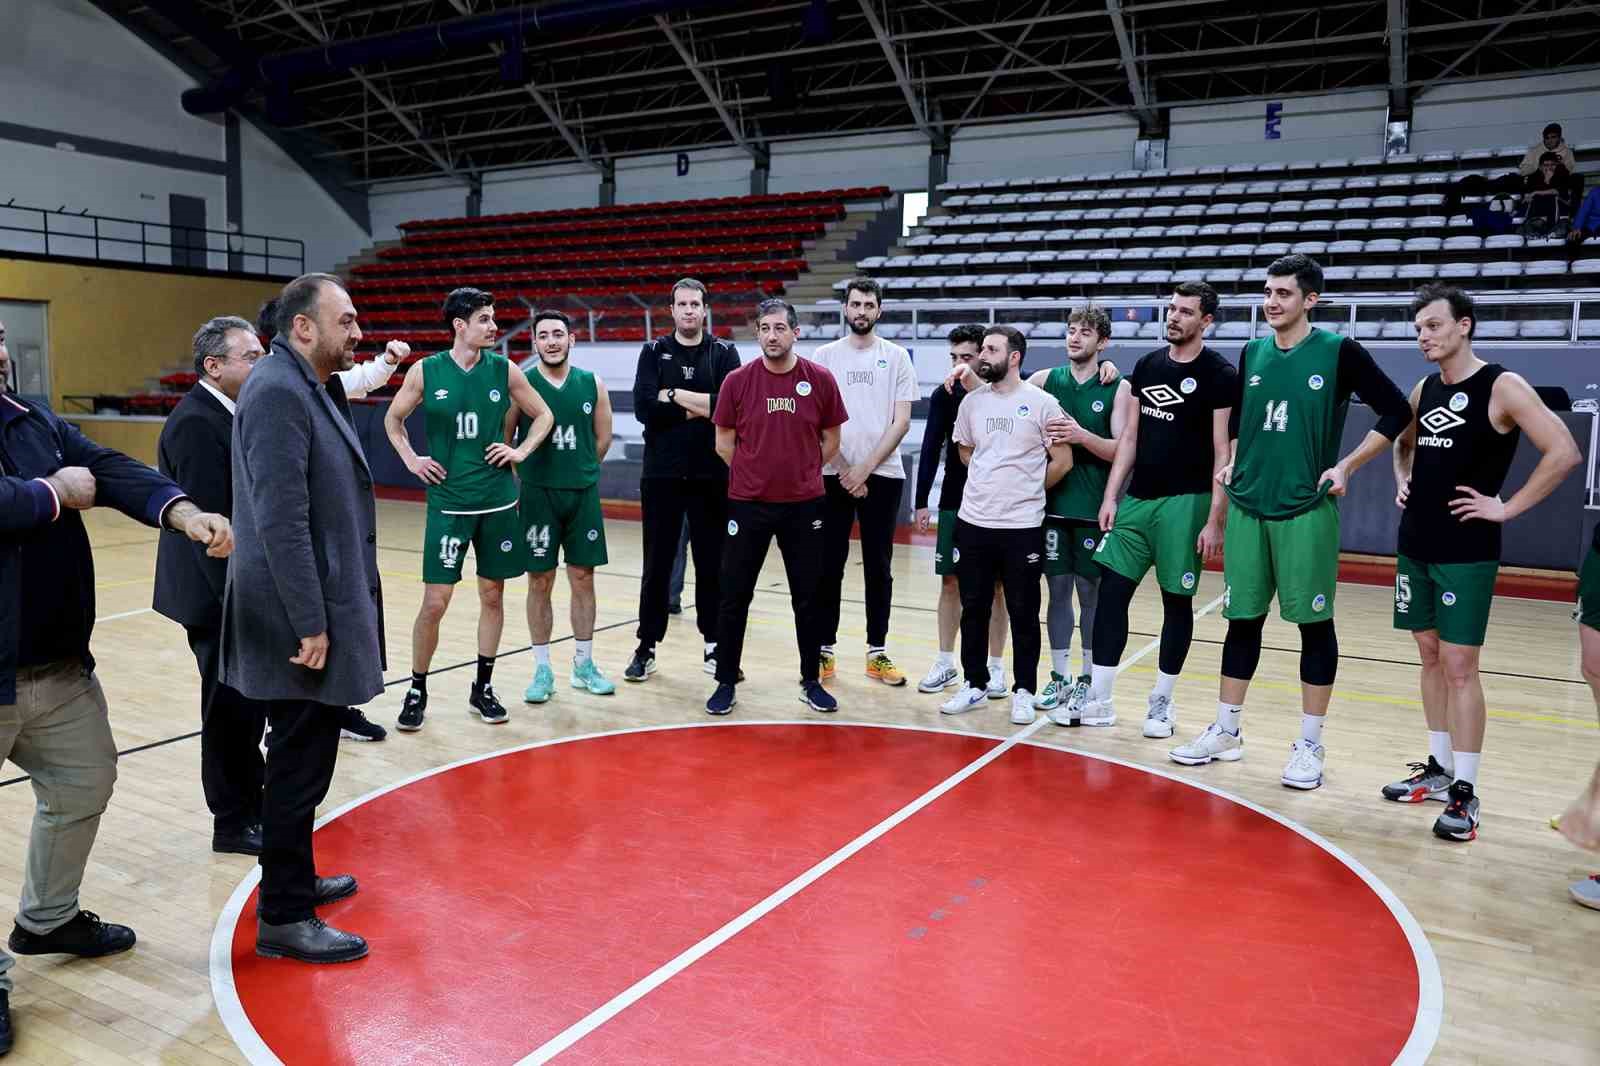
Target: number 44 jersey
[(464, 411), (567, 459)]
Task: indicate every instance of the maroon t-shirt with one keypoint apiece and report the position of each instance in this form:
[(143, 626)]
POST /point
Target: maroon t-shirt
[(778, 421)]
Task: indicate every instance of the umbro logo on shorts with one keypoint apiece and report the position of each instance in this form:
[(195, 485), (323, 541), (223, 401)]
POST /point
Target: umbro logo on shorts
[(816, 523), (1033, 557)]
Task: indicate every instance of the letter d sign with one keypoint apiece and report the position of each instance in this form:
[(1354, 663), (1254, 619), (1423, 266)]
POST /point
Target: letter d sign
[(683, 164)]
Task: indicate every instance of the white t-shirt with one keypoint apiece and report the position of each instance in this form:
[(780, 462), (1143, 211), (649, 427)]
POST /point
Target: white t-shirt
[(871, 381), (1005, 479)]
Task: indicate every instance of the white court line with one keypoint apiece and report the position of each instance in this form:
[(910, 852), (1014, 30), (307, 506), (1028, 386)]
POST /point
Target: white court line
[(123, 614), (645, 985)]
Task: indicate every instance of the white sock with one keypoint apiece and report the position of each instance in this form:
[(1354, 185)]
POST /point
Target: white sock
[(946, 658), (996, 663), (1439, 748), (1311, 727), (1061, 661), (711, 649), (541, 654), (875, 649), (1165, 683), (1088, 661), (1467, 766), (1228, 716), (584, 652), (827, 649), (1100, 678)]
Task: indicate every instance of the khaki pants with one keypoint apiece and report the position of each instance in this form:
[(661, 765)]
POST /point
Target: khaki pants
[(58, 732)]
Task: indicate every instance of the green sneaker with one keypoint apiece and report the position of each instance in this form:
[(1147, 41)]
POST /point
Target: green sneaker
[(542, 687), (1050, 697), (587, 675)]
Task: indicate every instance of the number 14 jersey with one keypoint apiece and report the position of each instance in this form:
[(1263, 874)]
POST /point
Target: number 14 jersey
[(463, 412)]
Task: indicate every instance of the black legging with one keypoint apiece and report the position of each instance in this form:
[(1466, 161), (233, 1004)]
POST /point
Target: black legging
[(1111, 623)]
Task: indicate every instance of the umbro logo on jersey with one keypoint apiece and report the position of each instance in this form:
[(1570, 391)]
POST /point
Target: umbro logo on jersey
[(1437, 421), (439, 394), (1161, 395), (1255, 379), (859, 377)]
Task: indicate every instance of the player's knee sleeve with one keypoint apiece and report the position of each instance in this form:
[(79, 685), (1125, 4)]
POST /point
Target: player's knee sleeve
[(1177, 631), (1241, 648), (1111, 617), (1319, 653)]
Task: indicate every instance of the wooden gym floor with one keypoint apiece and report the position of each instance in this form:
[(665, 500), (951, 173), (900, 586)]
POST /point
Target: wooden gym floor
[(1517, 958)]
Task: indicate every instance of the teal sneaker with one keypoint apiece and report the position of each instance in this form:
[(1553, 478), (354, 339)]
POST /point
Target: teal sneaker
[(542, 687), (587, 675), (1050, 697)]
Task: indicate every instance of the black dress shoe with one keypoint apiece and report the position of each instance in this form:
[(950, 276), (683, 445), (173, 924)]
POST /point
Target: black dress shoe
[(243, 841), (312, 940), (85, 936), (6, 1035), (333, 889)]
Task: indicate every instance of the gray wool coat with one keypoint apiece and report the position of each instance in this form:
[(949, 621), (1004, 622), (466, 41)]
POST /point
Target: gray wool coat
[(305, 557)]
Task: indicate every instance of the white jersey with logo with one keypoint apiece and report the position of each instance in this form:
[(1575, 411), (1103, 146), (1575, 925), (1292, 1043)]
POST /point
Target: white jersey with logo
[(1005, 478), (871, 381)]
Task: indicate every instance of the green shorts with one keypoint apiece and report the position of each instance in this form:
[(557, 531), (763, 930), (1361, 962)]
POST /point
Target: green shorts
[(1069, 546), (944, 552), (1453, 598), (1163, 532), (1296, 558), (496, 545), (567, 521), (1589, 590)]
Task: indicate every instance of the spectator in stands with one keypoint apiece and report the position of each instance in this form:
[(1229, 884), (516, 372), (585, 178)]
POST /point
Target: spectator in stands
[(1586, 224), (675, 390), (5, 362), (1551, 142), (1548, 199)]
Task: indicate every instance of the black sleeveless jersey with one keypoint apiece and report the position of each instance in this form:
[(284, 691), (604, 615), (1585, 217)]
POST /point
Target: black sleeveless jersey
[(1456, 445)]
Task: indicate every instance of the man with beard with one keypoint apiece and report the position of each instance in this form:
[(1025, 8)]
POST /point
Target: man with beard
[(1011, 463), (1283, 483), (866, 480), (560, 506), (777, 423), (1448, 480), (470, 396), (1095, 416), (1174, 440)]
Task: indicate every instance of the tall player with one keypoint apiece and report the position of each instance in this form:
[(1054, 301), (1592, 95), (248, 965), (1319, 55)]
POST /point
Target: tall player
[(470, 396), (1283, 520), (1581, 822), (866, 480), (1096, 412), (560, 505), (1174, 439), (936, 439), (1448, 482)]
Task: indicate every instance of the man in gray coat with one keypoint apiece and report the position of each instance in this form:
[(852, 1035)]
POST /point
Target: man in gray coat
[(303, 608)]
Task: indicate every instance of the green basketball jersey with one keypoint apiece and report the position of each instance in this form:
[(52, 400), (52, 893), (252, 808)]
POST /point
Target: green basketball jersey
[(566, 459), (463, 412), (1290, 424), (1078, 494)]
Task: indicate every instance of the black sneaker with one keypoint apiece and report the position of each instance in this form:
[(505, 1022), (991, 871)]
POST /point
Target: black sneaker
[(486, 706), (1460, 818), (1427, 781), (641, 666), (355, 725), (674, 608), (5, 1022), (722, 700), (813, 695), (85, 936), (412, 711)]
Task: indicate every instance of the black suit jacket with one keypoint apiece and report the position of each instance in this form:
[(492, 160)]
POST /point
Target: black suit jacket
[(196, 451)]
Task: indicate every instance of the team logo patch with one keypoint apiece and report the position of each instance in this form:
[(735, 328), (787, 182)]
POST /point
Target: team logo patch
[(505, 545), (594, 534), (1458, 402), (440, 394), (1319, 603), (494, 395), (1022, 410), (955, 555), (1314, 382), (1088, 542), (733, 528), (1188, 580), (1439, 421), (588, 408), (1161, 396), (883, 364), (1097, 406), (803, 388), (1188, 385), (1448, 599)]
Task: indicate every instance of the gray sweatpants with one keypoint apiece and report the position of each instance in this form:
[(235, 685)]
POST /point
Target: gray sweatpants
[(58, 733)]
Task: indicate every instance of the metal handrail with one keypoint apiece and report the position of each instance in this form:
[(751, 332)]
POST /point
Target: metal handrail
[(237, 246)]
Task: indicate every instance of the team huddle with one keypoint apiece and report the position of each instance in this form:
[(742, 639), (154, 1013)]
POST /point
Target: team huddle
[(1076, 475)]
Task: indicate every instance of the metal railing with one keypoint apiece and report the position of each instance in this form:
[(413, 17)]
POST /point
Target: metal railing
[(46, 231)]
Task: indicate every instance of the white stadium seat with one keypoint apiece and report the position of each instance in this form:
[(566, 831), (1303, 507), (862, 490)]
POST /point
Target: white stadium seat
[(1152, 330), (1504, 240), (1501, 270), (1310, 247), (1396, 331), (1355, 203), (1224, 274), (1423, 244), (1586, 266), (1124, 330), (1589, 328), (1465, 243), (1120, 277), (1338, 273), (1346, 247), (1545, 330), (1458, 270), (1155, 277), (1416, 271), (1272, 249), (1383, 246), (1233, 330), (1544, 268), (1502, 331), (1375, 272)]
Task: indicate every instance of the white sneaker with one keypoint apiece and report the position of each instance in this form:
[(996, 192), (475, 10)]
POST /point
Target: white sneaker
[(939, 677), (998, 689), (1064, 712), (1161, 719), (1304, 769), (1096, 712), (1022, 707), (963, 701), (1214, 743)]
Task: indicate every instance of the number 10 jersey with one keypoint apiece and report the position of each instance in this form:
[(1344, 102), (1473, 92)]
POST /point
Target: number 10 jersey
[(464, 411)]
